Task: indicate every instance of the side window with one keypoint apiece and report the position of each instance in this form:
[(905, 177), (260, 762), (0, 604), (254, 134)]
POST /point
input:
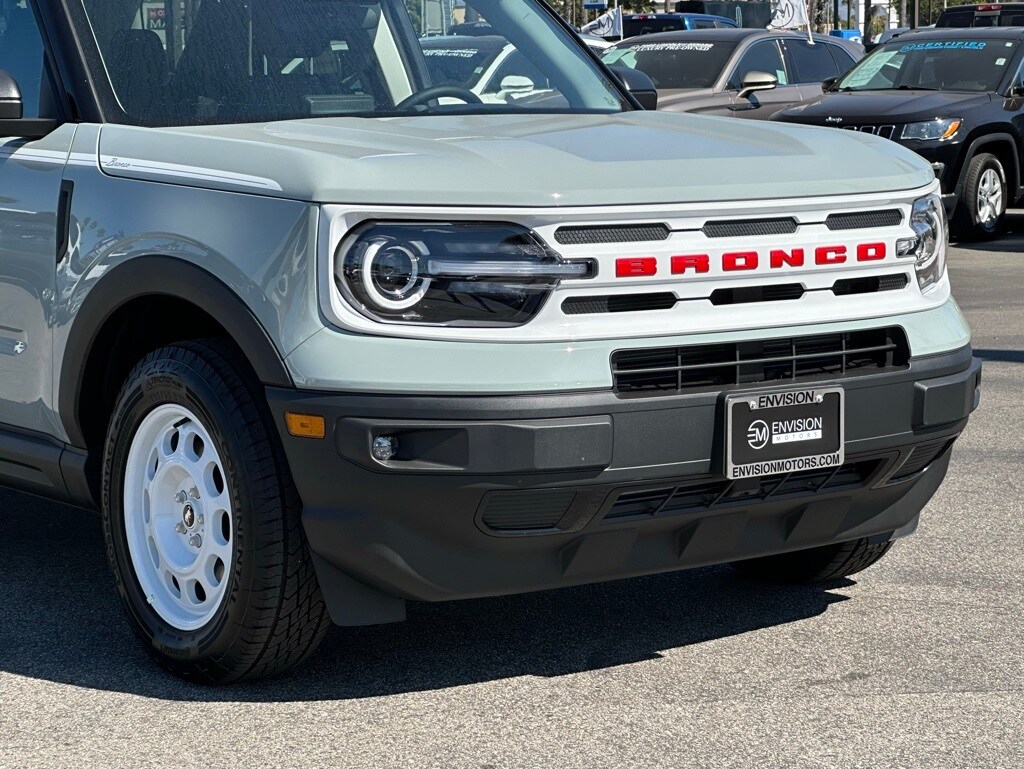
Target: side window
[(761, 57), (843, 59), (21, 52), (703, 24), (811, 63), (1018, 79)]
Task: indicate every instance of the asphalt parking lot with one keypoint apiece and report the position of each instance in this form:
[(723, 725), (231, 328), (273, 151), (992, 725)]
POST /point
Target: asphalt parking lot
[(917, 663)]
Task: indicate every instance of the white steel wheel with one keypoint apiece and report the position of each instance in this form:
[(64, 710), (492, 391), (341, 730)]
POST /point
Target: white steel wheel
[(178, 517), (990, 197)]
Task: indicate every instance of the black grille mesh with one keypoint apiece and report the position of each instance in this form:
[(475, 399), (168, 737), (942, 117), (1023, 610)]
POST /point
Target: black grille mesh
[(870, 285), (862, 220), (612, 233), (594, 305), (666, 370), (739, 228)]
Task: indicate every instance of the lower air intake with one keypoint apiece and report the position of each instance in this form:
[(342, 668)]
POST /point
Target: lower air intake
[(649, 503)]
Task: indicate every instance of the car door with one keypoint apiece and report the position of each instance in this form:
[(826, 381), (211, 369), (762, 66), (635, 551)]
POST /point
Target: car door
[(809, 65), (31, 173), (761, 56)]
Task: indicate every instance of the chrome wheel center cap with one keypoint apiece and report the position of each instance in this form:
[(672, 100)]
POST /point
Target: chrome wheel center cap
[(188, 516)]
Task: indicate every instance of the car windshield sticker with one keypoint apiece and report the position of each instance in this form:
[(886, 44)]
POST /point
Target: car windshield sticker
[(457, 53), (673, 47), (872, 64), (1000, 62), (971, 45)]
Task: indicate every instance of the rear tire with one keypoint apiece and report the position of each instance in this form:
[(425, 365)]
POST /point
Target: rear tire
[(202, 520), (983, 200), (816, 564)]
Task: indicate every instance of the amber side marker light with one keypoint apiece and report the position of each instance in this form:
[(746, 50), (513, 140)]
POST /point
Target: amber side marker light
[(305, 425)]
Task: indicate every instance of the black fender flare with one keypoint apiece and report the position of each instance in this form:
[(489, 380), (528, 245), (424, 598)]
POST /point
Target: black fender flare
[(159, 275), (1013, 183)]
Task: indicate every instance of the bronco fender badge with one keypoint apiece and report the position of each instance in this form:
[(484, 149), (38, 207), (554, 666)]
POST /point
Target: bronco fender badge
[(833, 119)]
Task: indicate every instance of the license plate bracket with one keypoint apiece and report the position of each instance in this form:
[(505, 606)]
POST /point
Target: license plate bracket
[(774, 432)]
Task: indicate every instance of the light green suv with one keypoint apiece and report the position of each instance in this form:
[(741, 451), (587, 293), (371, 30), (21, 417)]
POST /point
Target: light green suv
[(320, 335)]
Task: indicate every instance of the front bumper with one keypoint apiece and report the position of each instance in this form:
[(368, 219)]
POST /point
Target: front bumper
[(501, 494)]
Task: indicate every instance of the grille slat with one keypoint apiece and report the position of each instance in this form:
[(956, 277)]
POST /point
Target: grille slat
[(668, 369)]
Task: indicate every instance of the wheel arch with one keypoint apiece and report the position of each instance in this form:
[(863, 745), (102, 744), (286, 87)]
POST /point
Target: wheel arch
[(1004, 147), (135, 291)]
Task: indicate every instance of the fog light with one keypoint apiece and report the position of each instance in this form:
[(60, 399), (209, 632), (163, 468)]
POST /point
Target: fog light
[(384, 448)]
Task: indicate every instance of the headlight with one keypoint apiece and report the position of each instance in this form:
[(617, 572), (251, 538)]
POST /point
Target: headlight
[(932, 129), (928, 246), (450, 273)]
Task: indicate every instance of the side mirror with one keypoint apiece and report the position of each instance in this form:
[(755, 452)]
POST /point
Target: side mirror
[(757, 81), (829, 83), (11, 107), (12, 110), (513, 84), (639, 85), (1017, 90)]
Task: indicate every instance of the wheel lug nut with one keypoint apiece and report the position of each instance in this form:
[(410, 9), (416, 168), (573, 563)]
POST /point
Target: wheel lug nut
[(195, 540), (179, 527), (200, 520), (180, 497), (194, 492)]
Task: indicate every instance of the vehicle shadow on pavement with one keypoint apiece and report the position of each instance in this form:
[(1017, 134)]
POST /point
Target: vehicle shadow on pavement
[(1010, 241), (60, 621)]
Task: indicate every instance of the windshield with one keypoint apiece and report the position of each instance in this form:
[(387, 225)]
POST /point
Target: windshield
[(690, 64), (191, 62), (934, 65)]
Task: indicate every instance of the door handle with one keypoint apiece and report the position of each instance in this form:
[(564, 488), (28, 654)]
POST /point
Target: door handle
[(67, 188)]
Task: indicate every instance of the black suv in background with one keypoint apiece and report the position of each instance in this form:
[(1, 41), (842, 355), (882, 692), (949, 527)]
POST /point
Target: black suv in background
[(986, 15), (954, 96)]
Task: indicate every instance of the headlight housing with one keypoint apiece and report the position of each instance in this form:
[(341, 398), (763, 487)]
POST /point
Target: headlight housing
[(928, 246), (939, 129), (450, 273)]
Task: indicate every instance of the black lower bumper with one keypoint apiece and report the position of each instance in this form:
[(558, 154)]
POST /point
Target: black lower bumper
[(489, 495)]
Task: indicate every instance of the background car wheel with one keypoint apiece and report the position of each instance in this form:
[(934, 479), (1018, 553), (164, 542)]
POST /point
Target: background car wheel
[(817, 564), (983, 200), (202, 521)]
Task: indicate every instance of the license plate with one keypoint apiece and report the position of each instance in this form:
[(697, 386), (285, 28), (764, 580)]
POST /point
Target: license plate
[(785, 431)]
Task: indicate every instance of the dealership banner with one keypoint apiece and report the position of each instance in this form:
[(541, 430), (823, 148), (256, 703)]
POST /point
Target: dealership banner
[(606, 25), (789, 14)]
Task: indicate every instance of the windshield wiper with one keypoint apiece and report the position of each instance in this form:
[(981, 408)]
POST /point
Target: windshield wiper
[(915, 88)]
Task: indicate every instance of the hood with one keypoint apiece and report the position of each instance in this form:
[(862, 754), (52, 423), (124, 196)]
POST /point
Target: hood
[(516, 160), (883, 106)]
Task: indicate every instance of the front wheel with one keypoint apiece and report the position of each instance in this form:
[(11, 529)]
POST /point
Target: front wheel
[(816, 564), (202, 522), (983, 200)]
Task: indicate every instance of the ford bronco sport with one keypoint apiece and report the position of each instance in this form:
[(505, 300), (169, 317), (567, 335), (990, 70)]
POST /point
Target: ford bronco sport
[(320, 336)]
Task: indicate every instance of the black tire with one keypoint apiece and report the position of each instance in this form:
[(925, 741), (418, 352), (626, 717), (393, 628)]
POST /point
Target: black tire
[(816, 564), (272, 615), (972, 222)]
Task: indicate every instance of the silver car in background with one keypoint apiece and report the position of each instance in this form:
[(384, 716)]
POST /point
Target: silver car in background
[(748, 73)]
